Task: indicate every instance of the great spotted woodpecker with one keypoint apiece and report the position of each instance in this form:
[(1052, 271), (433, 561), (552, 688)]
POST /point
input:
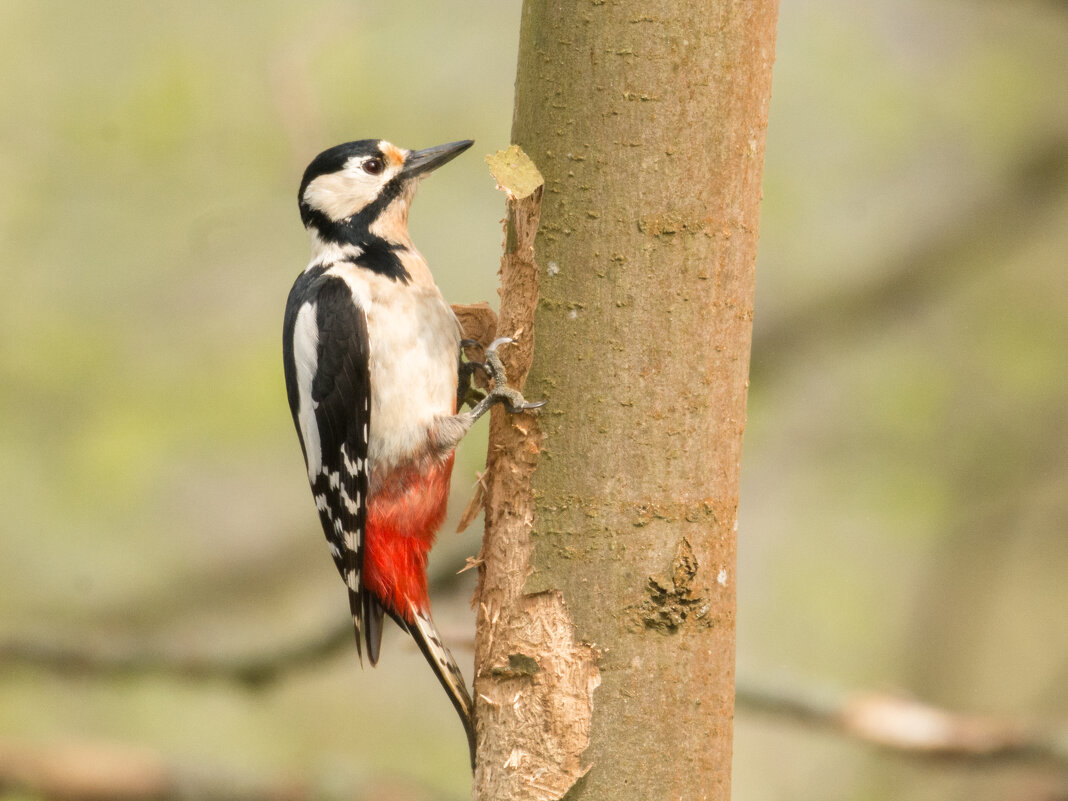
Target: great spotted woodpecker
[(372, 357)]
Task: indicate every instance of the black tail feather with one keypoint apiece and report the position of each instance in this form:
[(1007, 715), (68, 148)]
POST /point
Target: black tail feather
[(373, 612)]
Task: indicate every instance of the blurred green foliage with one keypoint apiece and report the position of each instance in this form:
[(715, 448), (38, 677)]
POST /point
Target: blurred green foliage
[(905, 480)]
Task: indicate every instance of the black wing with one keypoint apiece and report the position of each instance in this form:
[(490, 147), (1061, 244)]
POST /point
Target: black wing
[(330, 398)]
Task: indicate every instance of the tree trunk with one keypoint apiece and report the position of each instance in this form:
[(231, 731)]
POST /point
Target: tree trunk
[(605, 647)]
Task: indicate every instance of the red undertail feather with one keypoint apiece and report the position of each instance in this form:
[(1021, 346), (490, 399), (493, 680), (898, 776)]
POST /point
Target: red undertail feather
[(403, 515)]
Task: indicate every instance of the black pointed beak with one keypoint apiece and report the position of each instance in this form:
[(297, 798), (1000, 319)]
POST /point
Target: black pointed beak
[(420, 162)]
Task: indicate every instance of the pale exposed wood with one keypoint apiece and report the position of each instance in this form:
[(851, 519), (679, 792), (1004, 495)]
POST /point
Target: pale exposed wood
[(533, 679)]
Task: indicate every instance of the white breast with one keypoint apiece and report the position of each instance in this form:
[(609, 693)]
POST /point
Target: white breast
[(414, 346)]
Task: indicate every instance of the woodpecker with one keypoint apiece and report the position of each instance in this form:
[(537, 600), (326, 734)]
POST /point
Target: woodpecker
[(373, 368)]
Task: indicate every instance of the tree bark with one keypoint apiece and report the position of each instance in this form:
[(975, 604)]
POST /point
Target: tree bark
[(605, 647)]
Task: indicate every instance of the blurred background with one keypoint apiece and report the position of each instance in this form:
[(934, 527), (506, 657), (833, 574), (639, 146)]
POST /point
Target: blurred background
[(905, 478)]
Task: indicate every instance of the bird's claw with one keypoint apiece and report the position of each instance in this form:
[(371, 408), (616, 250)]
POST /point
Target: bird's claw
[(513, 399)]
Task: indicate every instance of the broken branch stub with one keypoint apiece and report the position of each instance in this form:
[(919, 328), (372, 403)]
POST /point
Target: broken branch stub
[(533, 682)]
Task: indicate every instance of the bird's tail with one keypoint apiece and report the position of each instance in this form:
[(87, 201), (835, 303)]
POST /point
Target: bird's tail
[(445, 668)]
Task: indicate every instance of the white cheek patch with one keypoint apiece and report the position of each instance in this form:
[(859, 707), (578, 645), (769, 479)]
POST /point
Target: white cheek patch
[(305, 357), (344, 193), (341, 194)]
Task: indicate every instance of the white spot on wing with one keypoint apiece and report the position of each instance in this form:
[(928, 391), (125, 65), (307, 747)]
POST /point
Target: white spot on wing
[(353, 467), (352, 580), (721, 578), (352, 506)]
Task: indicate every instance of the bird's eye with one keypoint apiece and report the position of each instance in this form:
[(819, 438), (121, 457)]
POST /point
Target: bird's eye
[(373, 166)]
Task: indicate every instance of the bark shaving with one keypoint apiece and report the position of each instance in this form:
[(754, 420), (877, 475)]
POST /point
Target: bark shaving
[(533, 681)]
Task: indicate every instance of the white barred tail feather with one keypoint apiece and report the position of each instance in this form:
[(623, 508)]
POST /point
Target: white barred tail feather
[(426, 636)]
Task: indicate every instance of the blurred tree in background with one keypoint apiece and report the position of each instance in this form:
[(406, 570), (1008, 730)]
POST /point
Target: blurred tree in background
[(905, 478)]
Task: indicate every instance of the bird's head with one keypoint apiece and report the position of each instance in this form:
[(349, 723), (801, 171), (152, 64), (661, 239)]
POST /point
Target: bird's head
[(366, 187)]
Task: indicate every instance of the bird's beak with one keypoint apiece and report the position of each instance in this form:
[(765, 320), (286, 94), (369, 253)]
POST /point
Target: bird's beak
[(420, 162)]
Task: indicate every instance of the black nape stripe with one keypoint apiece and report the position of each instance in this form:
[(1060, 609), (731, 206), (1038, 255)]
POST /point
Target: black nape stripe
[(380, 256), (376, 254)]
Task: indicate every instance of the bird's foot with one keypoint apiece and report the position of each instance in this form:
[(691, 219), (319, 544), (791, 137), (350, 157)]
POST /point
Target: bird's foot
[(501, 392)]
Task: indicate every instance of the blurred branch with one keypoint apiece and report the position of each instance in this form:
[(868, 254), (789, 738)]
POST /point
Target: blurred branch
[(254, 670), (907, 726), (892, 722), (1000, 221), (95, 772), (87, 771)]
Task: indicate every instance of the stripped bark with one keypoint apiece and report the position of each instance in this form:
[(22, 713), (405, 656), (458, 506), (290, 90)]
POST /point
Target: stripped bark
[(533, 680)]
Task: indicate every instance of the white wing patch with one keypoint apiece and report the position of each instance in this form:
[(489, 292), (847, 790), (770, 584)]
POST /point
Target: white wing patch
[(305, 358)]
